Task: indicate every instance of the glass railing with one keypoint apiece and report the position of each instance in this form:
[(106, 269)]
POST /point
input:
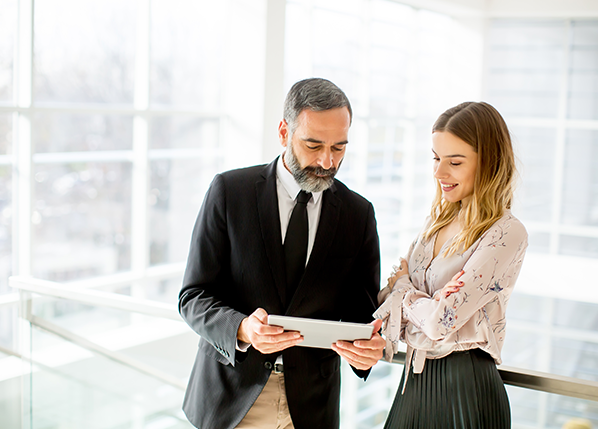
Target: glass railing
[(117, 354)]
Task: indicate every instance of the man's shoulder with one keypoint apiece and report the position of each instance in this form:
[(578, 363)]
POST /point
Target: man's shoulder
[(242, 177), (244, 172)]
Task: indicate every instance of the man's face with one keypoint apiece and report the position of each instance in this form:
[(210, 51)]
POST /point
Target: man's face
[(317, 147)]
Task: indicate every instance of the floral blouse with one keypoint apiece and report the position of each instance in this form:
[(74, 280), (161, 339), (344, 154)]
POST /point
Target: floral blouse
[(474, 317)]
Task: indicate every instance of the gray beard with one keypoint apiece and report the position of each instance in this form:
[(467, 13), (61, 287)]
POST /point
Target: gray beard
[(307, 178)]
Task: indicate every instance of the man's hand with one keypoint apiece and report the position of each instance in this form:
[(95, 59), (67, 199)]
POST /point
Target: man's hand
[(263, 337), (362, 354)]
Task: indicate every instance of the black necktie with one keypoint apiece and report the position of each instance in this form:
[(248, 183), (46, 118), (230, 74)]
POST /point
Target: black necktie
[(295, 243)]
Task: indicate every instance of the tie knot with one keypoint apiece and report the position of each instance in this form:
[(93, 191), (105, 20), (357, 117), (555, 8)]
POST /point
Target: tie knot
[(303, 197)]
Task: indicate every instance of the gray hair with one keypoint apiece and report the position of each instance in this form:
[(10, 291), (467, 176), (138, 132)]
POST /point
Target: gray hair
[(314, 94)]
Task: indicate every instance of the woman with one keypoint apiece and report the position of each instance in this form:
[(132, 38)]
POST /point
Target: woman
[(447, 299)]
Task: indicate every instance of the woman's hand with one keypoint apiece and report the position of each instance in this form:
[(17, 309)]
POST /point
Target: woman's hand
[(454, 285), (397, 271)]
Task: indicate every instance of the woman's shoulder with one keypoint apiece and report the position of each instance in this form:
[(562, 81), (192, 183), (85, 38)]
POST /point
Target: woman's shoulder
[(508, 219), (509, 224)]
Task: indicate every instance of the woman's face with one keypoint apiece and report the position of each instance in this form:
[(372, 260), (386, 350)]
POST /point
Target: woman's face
[(455, 164)]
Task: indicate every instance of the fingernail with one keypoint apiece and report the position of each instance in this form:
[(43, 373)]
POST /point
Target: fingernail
[(461, 283)]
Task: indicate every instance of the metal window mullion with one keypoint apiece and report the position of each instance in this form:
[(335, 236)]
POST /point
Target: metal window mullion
[(22, 151), (561, 136), (273, 75), (139, 212), (360, 140), (22, 189), (409, 156)]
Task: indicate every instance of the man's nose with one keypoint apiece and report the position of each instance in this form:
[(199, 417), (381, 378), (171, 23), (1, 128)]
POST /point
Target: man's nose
[(326, 159)]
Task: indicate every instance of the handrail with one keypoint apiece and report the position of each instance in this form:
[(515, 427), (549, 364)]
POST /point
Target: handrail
[(95, 297), (9, 299), (110, 354), (541, 381), (157, 272), (535, 380)]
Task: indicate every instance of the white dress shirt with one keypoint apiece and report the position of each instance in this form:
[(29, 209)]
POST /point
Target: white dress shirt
[(287, 190)]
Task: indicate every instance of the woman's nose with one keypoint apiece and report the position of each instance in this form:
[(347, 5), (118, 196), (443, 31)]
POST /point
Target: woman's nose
[(439, 171)]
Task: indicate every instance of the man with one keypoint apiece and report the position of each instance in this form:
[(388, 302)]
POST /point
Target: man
[(242, 266)]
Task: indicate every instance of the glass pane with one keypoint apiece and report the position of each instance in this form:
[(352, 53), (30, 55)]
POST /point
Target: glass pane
[(8, 28), (535, 149), (81, 220), (177, 191), (87, 54), (524, 66), (188, 41), (527, 335), (539, 242), (5, 134), (335, 40), (579, 246), (183, 133), (583, 91), (580, 187), (365, 405), (530, 408), (10, 386), (62, 132), (72, 386), (166, 291), (5, 228)]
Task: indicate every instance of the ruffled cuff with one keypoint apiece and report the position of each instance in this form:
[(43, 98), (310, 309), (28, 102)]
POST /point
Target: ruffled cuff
[(391, 313)]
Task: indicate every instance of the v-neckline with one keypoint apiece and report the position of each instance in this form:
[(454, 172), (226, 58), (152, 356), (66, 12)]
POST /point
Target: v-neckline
[(448, 240)]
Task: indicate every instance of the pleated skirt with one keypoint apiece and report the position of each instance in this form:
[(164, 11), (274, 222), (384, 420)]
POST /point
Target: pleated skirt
[(460, 391)]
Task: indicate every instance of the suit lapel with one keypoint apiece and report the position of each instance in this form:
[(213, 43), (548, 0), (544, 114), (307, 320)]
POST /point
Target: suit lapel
[(267, 204), (329, 216)]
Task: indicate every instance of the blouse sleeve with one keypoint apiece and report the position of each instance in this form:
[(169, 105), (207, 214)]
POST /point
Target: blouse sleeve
[(491, 270), (390, 312)]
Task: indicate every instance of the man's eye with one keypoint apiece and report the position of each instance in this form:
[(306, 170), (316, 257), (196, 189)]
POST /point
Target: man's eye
[(436, 159)]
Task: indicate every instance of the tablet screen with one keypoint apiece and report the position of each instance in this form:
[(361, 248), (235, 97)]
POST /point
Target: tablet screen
[(322, 333)]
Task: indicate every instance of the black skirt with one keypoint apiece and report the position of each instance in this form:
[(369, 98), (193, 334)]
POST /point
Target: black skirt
[(460, 391)]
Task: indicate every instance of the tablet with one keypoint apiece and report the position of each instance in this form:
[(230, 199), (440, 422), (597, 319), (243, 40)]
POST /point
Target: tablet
[(322, 333)]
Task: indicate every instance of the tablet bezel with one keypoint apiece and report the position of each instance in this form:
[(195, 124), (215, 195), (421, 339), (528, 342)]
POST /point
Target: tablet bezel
[(320, 333)]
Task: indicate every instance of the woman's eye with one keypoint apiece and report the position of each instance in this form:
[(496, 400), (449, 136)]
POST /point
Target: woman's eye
[(436, 159), (455, 163)]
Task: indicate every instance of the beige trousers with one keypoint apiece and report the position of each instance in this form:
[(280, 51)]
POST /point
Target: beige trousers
[(270, 410)]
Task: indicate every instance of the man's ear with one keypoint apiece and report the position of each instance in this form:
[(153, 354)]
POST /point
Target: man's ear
[(283, 133)]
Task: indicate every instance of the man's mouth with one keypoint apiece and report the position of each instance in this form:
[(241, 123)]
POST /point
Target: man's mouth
[(321, 173)]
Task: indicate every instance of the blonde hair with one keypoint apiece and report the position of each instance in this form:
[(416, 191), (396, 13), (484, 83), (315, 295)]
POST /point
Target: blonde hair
[(483, 128)]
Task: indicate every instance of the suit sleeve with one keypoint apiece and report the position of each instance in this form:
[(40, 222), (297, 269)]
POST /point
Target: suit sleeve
[(202, 300)]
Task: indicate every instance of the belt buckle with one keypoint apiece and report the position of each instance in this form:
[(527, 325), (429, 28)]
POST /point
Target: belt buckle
[(278, 368)]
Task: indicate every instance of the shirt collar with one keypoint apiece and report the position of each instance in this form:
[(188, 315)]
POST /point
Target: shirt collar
[(288, 182)]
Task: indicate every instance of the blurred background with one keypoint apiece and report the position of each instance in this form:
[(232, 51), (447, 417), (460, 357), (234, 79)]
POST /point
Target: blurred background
[(116, 114)]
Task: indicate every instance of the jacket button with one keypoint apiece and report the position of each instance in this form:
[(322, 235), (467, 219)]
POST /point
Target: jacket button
[(268, 365)]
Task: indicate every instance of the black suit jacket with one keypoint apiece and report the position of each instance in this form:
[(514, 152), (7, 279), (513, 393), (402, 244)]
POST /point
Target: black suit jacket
[(236, 264)]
